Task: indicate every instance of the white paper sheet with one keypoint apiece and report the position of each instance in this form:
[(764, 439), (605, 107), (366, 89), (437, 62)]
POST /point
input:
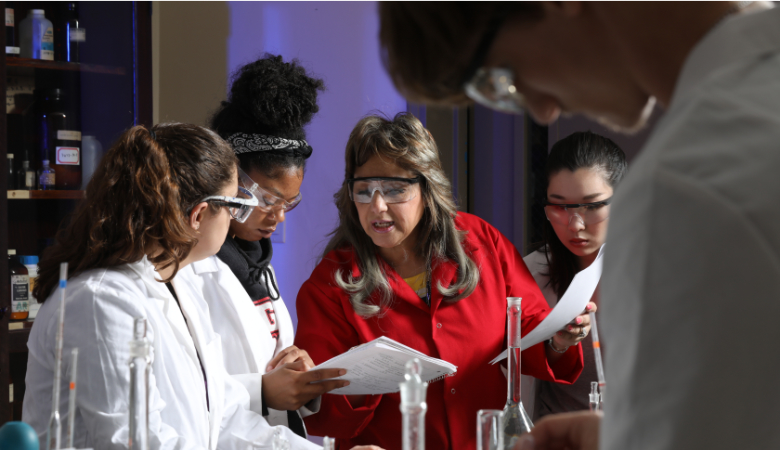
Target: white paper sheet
[(378, 366), (571, 305)]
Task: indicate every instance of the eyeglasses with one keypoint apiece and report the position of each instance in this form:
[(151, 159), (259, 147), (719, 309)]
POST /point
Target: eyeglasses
[(240, 207), (268, 201), (494, 87), (590, 213), (392, 189)]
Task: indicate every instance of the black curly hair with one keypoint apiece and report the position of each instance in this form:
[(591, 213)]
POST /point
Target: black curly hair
[(272, 97)]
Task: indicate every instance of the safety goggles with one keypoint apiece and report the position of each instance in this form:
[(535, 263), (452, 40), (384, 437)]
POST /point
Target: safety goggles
[(392, 189), (589, 213), (267, 200), (240, 207), (494, 87)]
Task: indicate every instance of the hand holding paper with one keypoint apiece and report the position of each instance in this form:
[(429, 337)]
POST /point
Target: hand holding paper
[(571, 304)]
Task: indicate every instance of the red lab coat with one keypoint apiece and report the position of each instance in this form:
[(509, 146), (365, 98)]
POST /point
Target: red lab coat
[(468, 333)]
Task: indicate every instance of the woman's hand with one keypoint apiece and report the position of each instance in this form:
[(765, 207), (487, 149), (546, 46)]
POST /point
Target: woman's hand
[(288, 355), (575, 331), (292, 385)]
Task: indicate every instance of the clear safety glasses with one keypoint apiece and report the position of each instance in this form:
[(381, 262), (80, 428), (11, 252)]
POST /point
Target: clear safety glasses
[(589, 213), (240, 207), (392, 189), (267, 200), (494, 87)]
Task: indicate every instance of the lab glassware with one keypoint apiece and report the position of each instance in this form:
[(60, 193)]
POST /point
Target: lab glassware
[(516, 421), (328, 443), (54, 432), (74, 360), (594, 396), (594, 333), (413, 406), (140, 369), (489, 434)]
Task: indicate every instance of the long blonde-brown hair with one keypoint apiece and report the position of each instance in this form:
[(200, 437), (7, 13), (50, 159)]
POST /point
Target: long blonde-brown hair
[(138, 200), (405, 141)]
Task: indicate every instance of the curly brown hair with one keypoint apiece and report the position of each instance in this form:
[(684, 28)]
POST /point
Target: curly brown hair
[(138, 200)]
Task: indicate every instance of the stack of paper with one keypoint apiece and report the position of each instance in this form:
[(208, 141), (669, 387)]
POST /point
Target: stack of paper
[(378, 366)]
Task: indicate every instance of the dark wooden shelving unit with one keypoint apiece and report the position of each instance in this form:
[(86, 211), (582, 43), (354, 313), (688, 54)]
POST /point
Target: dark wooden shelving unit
[(15, 62), (114, 86)]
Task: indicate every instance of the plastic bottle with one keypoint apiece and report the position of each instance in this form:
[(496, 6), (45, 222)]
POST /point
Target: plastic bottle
[(20, 287), (36, 36), (46, 177), (31, 263), (11, 47), (92, 153), (11, 173)]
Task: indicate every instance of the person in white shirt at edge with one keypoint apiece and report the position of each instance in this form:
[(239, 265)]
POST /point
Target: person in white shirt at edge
[(269, 104), (160, 199), (581, 171), (692, 270)]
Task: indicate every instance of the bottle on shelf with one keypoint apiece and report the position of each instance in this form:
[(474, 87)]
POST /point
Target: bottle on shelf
[(11, 172), (516, 420), (46, 177), (20, 287), (60, 136), (11, 46), (31, 263), (36, 36), (25, 177), (73, 36)]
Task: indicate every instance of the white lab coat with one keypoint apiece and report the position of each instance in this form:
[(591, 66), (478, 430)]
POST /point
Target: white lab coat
[(247, 343), (100, 307), (692, 272)]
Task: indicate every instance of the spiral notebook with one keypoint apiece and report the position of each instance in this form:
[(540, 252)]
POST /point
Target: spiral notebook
[(378, 366)]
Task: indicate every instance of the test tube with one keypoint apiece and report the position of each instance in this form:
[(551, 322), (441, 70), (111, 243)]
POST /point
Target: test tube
[(594, 333), (55, 427), (72, 398)]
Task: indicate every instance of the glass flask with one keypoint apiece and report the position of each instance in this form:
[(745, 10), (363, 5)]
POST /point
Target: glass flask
[(594, 396), (413, 406), (140, 369), (280, 441), (516, 421), (328, 443), (489, 435)]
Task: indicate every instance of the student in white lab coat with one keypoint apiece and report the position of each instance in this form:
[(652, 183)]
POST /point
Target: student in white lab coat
[(582, 170), (263, 120), (161, 199)]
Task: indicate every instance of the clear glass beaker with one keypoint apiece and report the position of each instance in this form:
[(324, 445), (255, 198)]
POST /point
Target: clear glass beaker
[(489, 433)]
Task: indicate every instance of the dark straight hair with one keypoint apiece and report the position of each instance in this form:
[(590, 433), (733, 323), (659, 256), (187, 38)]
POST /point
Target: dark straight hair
[(580, 150)]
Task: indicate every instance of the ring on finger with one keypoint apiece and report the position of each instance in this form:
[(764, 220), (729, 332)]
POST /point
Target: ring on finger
[(583, 333)]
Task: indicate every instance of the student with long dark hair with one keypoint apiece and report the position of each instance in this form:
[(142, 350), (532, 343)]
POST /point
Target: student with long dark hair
[(582, 171)]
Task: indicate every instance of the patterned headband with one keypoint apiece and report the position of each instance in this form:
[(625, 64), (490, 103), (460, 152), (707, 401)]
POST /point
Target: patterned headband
[(248, 143)]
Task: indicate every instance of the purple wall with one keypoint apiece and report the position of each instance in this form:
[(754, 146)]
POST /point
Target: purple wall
[(338, 43)]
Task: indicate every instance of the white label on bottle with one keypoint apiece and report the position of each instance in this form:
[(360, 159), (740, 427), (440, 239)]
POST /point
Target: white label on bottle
[(20, 285), (9, 17), (78, 35), (12, 50), (68, 135), (29, 180), (68, 156), (47, 44)]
